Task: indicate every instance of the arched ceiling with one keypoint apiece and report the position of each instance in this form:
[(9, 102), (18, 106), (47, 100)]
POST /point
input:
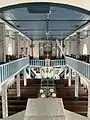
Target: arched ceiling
[(45, 20), (77, 3)]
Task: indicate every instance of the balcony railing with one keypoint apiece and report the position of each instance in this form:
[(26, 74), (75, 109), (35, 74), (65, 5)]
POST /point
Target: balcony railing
[(59, 62), (10, 68), (80, 66), (37, 62)]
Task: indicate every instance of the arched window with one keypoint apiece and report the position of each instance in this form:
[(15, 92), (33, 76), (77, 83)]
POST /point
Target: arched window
[(9, 49), (85, 49)]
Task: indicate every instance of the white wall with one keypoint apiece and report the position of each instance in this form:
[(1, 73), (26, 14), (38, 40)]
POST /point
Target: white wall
[(36, 49), (67, 47), (83, 42), (73, 47), (10, 46), (10, 43)]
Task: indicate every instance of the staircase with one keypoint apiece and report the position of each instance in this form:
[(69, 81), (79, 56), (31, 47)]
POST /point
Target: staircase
[(67, 93), (17, 104)]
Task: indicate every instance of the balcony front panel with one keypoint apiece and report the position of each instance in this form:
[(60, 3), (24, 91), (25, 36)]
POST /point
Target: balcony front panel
[(80, 66), (9, 69)]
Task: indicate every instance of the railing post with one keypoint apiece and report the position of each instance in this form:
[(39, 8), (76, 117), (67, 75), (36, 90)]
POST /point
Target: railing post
[(4, 101), (25, 80), (70, 77), (88, 113), (18, 84), (76, 86)]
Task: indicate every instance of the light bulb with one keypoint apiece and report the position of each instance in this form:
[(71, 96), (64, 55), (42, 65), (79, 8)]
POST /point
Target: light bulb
[(54, 95), (41, 90), (51, 90), (43, 96)]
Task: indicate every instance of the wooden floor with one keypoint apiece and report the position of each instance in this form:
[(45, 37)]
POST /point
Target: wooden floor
[(68, 93)]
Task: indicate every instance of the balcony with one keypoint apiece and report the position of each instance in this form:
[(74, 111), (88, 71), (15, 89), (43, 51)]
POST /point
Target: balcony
[(80, 66), (11, 68)]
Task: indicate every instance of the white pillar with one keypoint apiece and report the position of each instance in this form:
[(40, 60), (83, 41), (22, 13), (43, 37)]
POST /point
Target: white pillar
[(77, 44), (70, 77), (18, 85), (88, 113), (65, 73), (76, 86), (41, 72), (17, 44), (61, 47), (29, 72), (24, 46), (57, 49), (4, 102), (25, 80), (2, 42)]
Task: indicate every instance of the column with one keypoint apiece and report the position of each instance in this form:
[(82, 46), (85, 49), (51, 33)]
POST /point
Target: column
[(57, 52), (24, 46), (70, 77), (25, 80), (29, 46), (17, 44), (32, 47), (18, 85), (30, 72), (41, 49), (88, 113), (65, 73), (28, 75), (4, 102), (54, 49), (61, 47), (77, 44), (2, 42), (76, 86)]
